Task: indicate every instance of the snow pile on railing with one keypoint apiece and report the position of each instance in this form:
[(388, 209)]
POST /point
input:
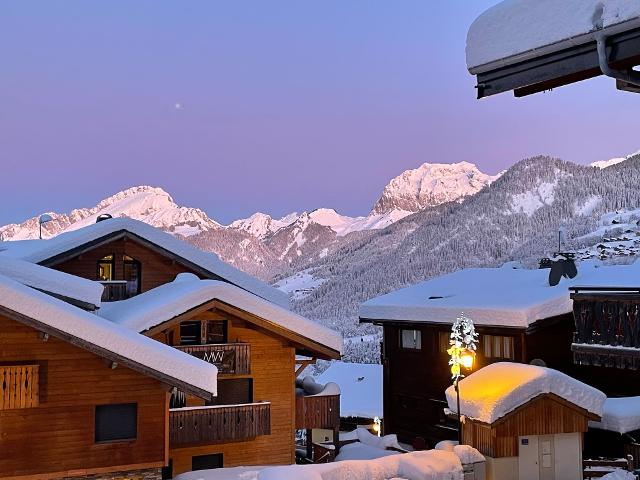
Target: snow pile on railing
[(515, 28), (310, 388), (499, 388)]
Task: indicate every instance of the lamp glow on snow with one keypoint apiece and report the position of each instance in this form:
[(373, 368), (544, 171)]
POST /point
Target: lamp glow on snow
[(462, 352)]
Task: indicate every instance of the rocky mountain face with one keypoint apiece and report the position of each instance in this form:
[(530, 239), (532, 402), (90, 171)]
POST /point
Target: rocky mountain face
[(262, 245), (430, 185)]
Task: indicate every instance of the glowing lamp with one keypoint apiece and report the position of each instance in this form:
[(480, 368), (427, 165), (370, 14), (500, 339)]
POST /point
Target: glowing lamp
[(376, 425), (466, 359)]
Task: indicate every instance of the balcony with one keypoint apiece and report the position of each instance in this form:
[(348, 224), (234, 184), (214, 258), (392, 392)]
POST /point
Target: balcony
[(229, 358), (322, 411), (114, 290), (19, 387), (218, 424), (607, 323)]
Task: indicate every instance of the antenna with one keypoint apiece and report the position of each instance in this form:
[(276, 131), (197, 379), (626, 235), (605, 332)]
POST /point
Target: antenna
[(44, 218)]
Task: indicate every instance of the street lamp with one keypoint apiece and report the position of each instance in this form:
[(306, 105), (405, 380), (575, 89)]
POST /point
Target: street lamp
[(462, 351), (44, 218)]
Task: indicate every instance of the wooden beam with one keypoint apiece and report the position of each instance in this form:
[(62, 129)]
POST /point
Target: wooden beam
[(304, 364)]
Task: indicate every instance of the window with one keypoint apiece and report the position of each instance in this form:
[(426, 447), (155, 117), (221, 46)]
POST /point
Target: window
[(205, 462), (190, 333), (495, 346), (118, 422), (411, 339), (217, 331), (443, 341), (234, 391), (106, 268), (132, 275)]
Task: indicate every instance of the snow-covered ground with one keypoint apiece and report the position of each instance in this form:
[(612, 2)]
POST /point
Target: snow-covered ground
[(300, 284), (360, 386)]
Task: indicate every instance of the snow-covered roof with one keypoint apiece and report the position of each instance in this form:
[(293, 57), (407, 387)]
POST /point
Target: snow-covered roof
[(510, 297), (517, 30), (56, 315), (167, 301), (620, 415), (37, 251), (360, 388), (52, 281), (497, 389)]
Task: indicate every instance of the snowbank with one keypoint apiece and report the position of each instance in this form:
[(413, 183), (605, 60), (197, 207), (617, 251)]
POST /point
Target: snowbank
[(499, 388), (310, 388), (360, 387), (36, 251), (167, 301), (515, 30), (52, 281), (620, 415), (362, 451), (493, 296), (426, 465), (104, 334)]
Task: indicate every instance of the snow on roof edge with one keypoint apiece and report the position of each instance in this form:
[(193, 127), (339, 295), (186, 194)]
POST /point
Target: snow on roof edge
[(161, 304), (106, 335), (37, 251)]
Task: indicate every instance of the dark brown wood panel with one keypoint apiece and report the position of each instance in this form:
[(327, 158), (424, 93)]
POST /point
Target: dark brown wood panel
[(318, 412)]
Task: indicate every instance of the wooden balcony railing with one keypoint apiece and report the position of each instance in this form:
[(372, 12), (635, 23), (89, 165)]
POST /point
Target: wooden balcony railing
[(19, 387), (607, 323), (193, 426), (230, 358), (318, 411), (114, 290)]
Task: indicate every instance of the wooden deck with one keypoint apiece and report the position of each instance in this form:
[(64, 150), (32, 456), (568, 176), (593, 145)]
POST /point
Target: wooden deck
[(230, 358), (318, 412), (19, 387), (218, 424)]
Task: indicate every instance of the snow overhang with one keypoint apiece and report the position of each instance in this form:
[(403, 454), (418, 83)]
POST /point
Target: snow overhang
[(529, 46)]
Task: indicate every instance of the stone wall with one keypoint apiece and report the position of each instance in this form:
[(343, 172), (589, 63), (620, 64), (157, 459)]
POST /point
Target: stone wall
[(146, 474)]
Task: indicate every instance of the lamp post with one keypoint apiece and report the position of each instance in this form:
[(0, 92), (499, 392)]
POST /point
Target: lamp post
[(462, 351), (44, 218)]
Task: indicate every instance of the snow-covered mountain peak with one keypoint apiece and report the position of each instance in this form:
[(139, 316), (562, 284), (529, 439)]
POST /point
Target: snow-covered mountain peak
[(613, 161), (431, 184), (261, 225)]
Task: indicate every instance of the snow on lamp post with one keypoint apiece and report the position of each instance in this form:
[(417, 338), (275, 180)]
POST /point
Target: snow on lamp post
[(462, 351)]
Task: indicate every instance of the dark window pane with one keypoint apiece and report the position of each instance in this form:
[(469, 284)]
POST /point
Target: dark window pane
[(234, 391), (132, 275), (217, 331), (116, 422), (190, 333), (206, 462)]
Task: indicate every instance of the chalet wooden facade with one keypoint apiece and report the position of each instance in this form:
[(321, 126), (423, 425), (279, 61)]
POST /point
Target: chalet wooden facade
[(80, 396), (227, 320), (414, 397)]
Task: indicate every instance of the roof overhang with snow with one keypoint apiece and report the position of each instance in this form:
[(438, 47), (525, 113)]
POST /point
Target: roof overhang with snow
[(157, 309), (113, 342), (71, 244), (529, 46)]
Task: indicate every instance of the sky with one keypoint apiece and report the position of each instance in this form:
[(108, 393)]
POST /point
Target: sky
[(237, 106)]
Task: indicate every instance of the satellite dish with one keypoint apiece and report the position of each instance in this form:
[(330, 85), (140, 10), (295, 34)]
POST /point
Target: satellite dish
[(44, 218), (103, 216)]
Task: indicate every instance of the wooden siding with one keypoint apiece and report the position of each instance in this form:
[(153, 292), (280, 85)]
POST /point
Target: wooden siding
[(19, 387), (218, 424), (318, 412), (544, 415), (72, 382), (272, 371), (156, 269)]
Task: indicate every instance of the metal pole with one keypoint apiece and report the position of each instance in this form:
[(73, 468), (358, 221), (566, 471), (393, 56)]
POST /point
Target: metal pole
[(459, 420)]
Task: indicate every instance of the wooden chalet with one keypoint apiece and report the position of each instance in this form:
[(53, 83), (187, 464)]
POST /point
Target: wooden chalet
[(180, 296), (79, 395), (528, 421), (519, 318)]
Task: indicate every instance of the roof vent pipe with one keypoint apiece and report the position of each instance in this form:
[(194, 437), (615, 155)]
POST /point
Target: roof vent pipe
[(103, 216), (628, 80)]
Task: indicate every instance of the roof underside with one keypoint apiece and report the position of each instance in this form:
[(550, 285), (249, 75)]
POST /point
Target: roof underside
[(559, 68)]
